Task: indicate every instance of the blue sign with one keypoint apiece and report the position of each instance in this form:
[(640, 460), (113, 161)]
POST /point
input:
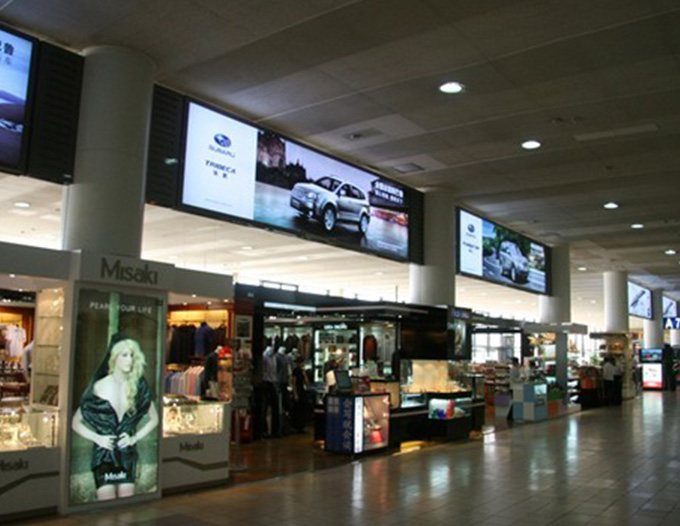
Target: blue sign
[(671, 323)]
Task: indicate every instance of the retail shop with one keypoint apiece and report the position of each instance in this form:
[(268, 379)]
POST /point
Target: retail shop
[(88, 326)]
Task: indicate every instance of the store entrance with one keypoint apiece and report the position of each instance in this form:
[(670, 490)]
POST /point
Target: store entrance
[(302, 348)]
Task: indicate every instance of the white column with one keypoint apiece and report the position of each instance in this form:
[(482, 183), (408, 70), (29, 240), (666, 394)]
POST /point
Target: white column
[(104, 208), (434, 282), (675, 337), (556, 308), (616, 301), (653, 337)]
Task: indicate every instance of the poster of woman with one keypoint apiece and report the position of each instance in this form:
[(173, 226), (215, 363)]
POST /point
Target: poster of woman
[(116, 398)]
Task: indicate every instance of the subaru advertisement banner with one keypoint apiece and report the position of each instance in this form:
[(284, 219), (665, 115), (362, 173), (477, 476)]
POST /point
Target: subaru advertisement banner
[(492, 252), (15, 71), (235, 169), (639, 301), (670, 308)]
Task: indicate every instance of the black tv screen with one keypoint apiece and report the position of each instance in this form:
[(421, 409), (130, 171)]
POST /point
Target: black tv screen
[(16, 65)]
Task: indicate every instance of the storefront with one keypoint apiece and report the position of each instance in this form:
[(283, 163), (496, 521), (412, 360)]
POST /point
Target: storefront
[(95, 323)]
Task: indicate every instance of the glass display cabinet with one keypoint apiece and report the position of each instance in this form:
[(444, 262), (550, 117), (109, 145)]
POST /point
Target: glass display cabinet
[(22, 429), (183, 416), (357, 424)]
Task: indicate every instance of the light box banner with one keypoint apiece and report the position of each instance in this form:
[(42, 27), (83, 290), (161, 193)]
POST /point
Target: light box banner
[(114, 446), (492, 252), (15, 73), (670, 308), (236, 169), (639, 301)]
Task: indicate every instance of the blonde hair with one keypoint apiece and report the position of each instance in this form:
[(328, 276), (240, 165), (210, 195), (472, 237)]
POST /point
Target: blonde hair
[(135, 374)]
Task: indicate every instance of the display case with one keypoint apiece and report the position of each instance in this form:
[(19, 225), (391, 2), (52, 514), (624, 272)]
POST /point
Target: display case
[(22, 429), (449, 408), (337, 342), (357, 424), (47, 347), (183, 416), (195, 446), (392, 388), (29, 462), (429, 376)]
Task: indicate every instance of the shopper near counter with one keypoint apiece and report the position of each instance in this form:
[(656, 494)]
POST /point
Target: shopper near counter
[(618, 381), (272, 396), (300, 383), (608, 373), (670, 379), (516, 380)]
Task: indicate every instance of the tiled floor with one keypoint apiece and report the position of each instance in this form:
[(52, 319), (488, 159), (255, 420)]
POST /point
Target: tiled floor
[(615, 466)]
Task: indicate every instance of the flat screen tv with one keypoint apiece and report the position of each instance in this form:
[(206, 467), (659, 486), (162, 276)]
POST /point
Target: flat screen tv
[(16, 70), (494, 253), (236, 170), (639, 301)]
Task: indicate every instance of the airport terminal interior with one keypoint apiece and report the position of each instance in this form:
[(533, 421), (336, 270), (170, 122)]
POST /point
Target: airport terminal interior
[(339, 262)]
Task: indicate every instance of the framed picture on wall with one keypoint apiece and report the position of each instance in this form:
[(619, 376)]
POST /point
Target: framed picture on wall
[(243, 327)]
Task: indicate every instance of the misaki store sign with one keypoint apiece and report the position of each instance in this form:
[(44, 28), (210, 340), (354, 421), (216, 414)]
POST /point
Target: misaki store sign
[(125, 271), (671, 323)]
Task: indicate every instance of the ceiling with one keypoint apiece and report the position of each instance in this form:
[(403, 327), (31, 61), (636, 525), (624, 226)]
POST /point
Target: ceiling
[(598, 83)]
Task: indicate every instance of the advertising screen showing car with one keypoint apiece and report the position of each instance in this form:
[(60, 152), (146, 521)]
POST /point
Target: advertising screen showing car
[(639, 301), (16, 54), (234, 169), (492, 252), (670, 308)]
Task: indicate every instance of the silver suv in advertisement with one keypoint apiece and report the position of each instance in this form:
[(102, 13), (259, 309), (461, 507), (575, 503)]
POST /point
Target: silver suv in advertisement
[(330, 201), (514, 264)]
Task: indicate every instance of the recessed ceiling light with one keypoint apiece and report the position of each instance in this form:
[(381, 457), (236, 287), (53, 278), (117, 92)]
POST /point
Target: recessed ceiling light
[(210, 303), (670, 252), (184, 303), (22, 204), (531, 144), (379, 273), (593, 301), (583, 269), (247, 247), (193, 295), (611, 205), (304, 258), (637, 226), (452, 87), (12, 275)]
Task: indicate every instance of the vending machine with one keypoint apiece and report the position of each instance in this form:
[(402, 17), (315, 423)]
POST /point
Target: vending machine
[(652, 368)]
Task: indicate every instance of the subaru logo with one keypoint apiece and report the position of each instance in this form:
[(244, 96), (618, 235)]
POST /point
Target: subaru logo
[(471, 228), (223, 140)]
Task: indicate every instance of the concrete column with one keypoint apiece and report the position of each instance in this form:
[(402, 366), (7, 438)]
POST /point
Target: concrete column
[(653, 337), (104, 208), (675, 337), (434, 282), (616, 301), (556, 308)]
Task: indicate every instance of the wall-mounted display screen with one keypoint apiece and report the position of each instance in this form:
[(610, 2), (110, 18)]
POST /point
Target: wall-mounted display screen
[(492, 252), (16, 55), (639, 301), (236, 169), (670, 308)]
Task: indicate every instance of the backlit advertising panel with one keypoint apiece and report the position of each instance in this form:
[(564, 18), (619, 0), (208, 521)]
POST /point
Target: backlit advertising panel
[(639, 301), (235, 169), (492, 252), (670, 308), (16, 56), (114, 422)]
